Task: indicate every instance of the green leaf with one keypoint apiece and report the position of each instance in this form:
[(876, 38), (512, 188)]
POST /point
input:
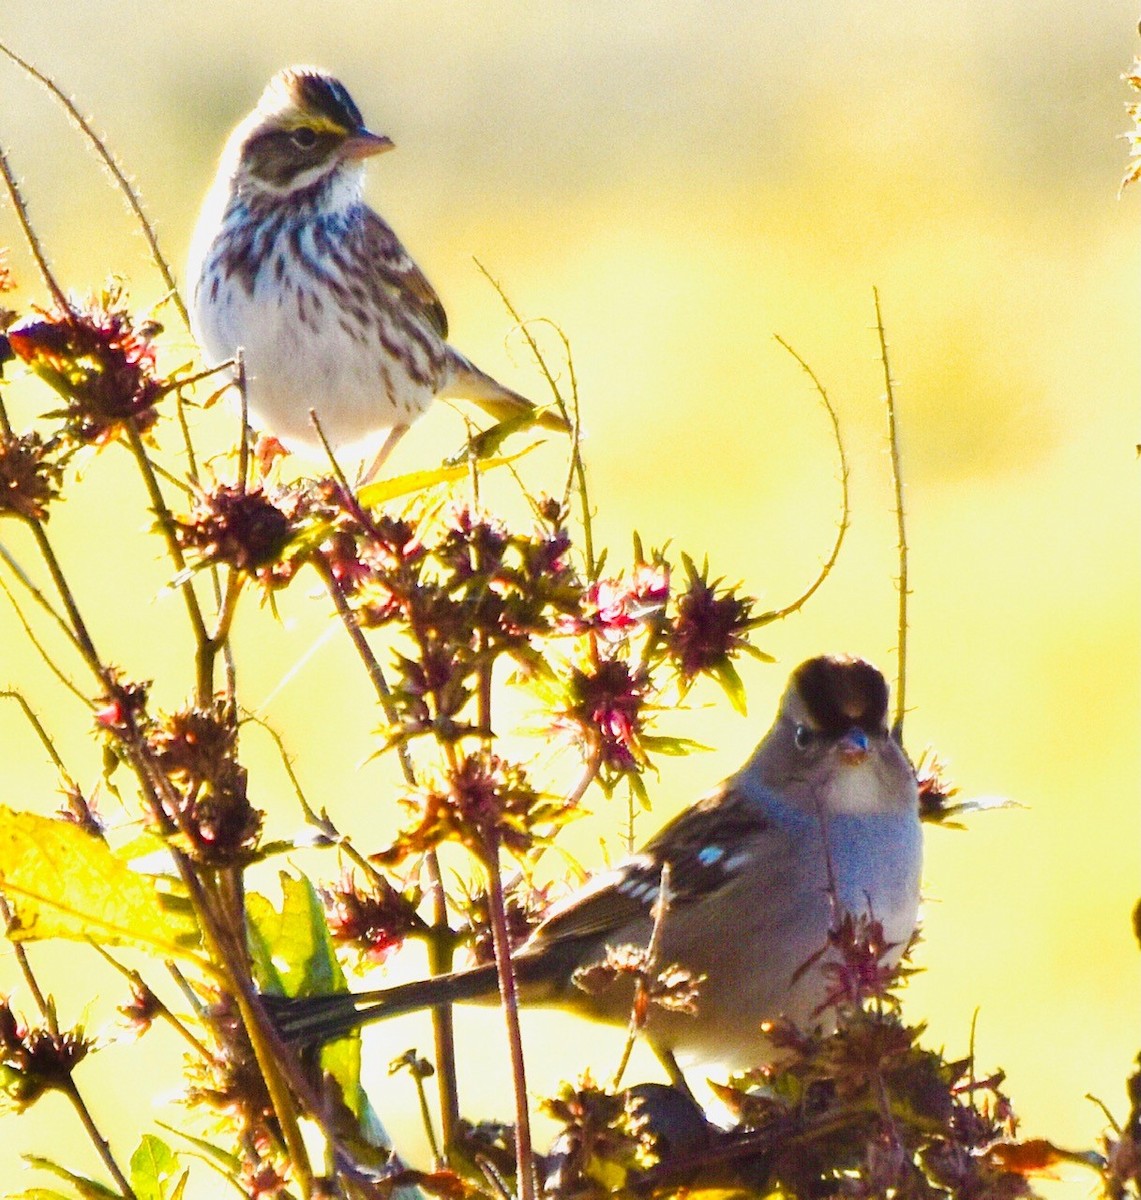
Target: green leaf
[(89, 1189), (384, 490), (726, 675), (293, 955), (757, 653), (292, 951), (156, 1173), (223, 1160), (670, 746), (64, 883)]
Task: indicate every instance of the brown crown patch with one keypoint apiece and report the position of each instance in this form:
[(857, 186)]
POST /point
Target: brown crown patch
[(840, 692), (320, 95)]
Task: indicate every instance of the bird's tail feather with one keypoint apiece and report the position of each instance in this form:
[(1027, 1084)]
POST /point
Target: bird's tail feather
[(468, 382), (316, 1019)]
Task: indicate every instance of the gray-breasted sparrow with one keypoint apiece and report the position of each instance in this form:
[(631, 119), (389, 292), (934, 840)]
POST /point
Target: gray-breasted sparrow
[(289, 264), (822, 820)]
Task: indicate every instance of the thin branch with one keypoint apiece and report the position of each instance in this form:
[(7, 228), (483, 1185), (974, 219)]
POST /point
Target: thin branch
[(577, 468), (71, 1091), (121, 180), (39, 597), (165, 519), (45, 1006), (41, 649), (900, 526), (639, 1005), (69, 1088), (440, 940), (45, 738), (136, 980), (32, 237), (845, 510), (497, 914), (244, 409)]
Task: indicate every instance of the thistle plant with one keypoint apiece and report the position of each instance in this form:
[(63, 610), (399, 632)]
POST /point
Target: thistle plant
[(446, 604)]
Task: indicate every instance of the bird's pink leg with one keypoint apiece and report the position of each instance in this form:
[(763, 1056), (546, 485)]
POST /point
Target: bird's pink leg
[(394, 435)]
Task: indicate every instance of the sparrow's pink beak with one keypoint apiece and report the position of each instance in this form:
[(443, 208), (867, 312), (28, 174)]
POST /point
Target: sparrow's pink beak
[(365, 145), (853, 746)]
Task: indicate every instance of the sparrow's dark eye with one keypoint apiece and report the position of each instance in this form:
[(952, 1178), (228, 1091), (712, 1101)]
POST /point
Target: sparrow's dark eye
[(803, 737), (304, 138)]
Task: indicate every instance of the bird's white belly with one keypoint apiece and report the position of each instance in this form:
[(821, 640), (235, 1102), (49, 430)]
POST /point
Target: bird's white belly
[(357, 389)]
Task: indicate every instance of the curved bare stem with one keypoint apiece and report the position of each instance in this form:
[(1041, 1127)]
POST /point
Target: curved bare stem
[(32, 237), (845, 510), (38, 646), (108, 160), (576, 467), (900, 527)]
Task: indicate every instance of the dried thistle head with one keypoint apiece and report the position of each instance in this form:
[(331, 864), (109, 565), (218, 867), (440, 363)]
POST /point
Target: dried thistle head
[(101, 360), (372, 918), (710, 625), (484, 802), (30, 476), (35, 1060), (247, 529)]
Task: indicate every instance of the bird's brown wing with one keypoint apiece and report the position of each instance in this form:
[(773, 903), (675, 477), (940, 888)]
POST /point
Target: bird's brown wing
[(401, 278), (702, 847)]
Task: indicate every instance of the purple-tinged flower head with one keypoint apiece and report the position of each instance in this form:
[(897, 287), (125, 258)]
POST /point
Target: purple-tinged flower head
[(196, 749), (524, 907), (100, 360), (605, 711), (473, 544), (78, 810), (372, 918), (483, 802), (246, 529), (124, 705), (139, 1013), (710, 625), (614, 608)]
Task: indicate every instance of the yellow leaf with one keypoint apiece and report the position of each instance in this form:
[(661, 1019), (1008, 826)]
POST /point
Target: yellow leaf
[(384, 490), (62, 882)]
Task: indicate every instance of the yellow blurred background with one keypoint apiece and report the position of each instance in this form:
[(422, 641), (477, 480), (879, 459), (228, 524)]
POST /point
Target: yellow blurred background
[(674, 184)]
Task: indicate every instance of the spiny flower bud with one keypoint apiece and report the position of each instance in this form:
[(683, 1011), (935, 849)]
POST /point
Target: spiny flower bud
[(100, 360), (242, 528), (29, 479)]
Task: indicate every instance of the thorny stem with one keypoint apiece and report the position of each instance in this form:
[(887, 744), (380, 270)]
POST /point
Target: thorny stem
[(845, 510), (137, 981), (47, 1010), (70, 1090), (206, 652), (440, 941), (32, 239), (121, 181), (900, 526), (497, 914), (639, 1005), (577, 468)]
